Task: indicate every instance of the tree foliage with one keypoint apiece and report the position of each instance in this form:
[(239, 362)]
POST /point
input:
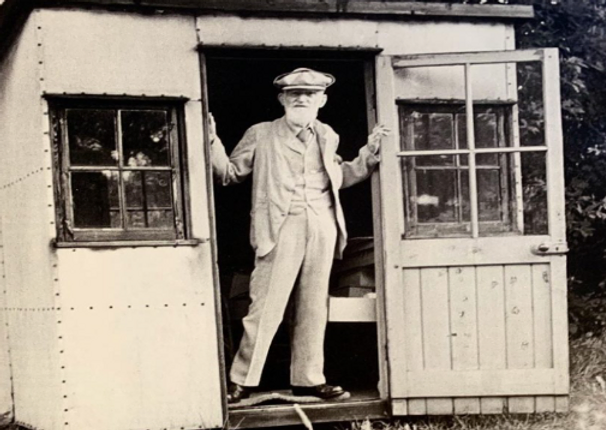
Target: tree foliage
[(578, 29)]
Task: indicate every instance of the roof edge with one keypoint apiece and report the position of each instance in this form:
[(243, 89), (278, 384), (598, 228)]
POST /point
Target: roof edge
[(13, 13)]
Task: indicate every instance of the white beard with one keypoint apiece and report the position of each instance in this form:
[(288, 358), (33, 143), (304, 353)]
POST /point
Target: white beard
[(301, 117)]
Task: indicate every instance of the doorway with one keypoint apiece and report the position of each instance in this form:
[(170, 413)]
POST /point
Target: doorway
[(241, 94)]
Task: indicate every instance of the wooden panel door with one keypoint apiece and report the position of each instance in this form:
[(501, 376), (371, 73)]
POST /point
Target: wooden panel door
[(473, 232)]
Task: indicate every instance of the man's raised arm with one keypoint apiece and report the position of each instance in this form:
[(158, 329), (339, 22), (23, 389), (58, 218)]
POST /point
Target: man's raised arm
[(363, 165), (235, 168)]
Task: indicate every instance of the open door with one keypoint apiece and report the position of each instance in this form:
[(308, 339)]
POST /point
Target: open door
[(473, 232)]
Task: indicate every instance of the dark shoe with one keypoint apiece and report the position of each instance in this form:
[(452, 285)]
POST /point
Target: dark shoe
[(323, 391), (237, 392)]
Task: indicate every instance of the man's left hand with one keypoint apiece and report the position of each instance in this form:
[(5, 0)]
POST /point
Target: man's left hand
[(374, 139)]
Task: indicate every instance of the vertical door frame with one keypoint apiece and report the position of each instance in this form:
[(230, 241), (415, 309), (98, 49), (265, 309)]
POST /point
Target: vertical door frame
[(556, 213), (390, 210), (370, 72), (213, 234)]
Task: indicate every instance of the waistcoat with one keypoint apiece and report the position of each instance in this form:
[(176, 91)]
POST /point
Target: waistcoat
[(312, 184)]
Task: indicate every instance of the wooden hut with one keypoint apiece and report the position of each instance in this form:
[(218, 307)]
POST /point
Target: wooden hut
[(124, 270)]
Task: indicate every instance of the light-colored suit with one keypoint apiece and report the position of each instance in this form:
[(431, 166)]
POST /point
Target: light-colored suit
[(273, 183), (290, 242)]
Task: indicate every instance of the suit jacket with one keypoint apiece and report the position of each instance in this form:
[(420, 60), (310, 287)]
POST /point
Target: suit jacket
[(260, 151)]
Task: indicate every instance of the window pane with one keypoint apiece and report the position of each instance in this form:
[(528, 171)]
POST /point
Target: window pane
[(531, 112), (135, 219), (161, 219), (433, 131), (96, 200), (534, 188), (91, 135), (485, 132), (440, 131), (146, 193), (158, 189), (464, 193), (133, 190), (489, 195), (436, 196), (145, 138)]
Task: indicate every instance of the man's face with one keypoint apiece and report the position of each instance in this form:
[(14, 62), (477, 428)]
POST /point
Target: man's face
[(301, 106)]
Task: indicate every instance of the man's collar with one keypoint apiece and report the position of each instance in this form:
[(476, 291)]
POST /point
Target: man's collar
[(284, 129), (295, 129)]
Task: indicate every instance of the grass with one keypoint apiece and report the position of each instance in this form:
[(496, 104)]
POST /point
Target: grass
[(587, 401)]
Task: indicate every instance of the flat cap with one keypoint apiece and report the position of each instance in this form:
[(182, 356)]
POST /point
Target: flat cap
[(304, 79)]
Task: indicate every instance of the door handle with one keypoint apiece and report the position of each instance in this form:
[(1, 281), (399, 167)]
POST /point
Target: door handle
[(546, 248)]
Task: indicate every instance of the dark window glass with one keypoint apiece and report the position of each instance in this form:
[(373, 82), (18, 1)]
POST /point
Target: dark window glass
[(92, 137), (145, 138), (437, 185), (534, 186), (95, 199), (120, 172), (146, 192)]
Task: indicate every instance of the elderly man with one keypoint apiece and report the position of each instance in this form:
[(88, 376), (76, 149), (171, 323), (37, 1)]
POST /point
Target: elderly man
[(297, 228)]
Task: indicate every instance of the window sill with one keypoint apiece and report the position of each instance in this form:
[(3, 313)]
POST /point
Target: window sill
[(131, 243)]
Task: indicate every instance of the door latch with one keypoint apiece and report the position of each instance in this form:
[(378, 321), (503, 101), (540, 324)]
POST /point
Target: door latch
[(550, 248)]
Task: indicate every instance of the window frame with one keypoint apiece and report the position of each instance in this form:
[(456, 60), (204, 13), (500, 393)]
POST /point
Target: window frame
[(67, 233), (421, 230)]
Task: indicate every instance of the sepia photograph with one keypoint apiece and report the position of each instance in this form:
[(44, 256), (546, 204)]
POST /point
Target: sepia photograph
[(329, 214)]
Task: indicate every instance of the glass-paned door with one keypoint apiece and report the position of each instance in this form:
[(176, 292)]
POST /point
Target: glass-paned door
[(473, 230)]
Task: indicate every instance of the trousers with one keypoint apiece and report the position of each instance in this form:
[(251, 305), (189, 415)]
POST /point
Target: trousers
[(299, 264)]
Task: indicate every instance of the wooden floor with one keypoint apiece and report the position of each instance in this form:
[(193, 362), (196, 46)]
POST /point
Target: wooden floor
[(362, 404)]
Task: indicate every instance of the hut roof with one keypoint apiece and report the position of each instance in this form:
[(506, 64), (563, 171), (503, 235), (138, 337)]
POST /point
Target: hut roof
[(14, 12)]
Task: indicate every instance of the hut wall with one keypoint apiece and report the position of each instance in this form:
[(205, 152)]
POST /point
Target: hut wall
[(6, 400), (138, 339), (393, 38), (26, 196)]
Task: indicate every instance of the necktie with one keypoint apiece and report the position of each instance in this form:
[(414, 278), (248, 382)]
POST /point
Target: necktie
[(305, 134)]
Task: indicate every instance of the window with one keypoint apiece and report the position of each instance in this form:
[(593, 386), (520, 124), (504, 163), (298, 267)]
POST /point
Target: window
[(119, 172), (437, 181)]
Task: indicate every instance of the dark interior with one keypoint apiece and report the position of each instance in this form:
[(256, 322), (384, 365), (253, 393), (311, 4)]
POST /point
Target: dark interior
[(241, 93)]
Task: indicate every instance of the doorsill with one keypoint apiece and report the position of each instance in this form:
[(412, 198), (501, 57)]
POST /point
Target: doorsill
[(286, 415)]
